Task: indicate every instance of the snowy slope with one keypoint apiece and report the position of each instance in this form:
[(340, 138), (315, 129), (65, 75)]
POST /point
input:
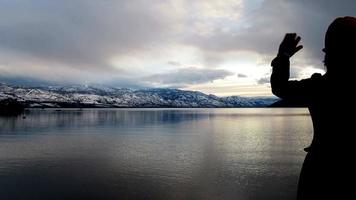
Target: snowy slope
[(102, 96)]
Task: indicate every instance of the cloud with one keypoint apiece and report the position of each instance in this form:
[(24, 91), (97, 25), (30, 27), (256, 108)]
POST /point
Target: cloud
[(264, 80), (117, 41), (174, 63), (185, 76), (241, 75), (79, 33), (262, 29)]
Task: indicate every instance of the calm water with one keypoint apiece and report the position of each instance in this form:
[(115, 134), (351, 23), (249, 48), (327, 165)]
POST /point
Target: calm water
[(153, 154)]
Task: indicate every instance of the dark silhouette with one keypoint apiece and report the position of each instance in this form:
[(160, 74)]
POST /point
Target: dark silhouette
[(328, 169), (9, 107)]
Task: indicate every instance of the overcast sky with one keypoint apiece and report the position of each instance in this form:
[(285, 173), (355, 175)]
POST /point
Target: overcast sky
[(219, 47)]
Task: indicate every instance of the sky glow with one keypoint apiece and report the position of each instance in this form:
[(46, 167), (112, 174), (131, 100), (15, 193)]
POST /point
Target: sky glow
[(217, 47)]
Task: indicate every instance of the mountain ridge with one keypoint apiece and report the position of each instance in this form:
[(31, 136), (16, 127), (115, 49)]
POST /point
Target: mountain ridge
[(105, 96)]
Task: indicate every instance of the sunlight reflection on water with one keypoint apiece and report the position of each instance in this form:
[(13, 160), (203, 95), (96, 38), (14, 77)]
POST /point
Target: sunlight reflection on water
[(153, 153)]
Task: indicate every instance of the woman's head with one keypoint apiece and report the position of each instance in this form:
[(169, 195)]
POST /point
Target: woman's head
[(340, 44)]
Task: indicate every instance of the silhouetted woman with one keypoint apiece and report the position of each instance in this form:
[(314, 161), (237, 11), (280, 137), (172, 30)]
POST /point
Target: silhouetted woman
[(328, 169)]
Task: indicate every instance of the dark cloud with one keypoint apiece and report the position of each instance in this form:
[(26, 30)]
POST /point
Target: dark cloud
[(174, 63), (295, 72), (24, 81), (79, 33), (241, 75), (79, 40), (264, 28), (264, 80), (189, 75)]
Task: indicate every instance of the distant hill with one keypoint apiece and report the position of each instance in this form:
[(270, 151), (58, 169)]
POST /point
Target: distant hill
[(103, 96)]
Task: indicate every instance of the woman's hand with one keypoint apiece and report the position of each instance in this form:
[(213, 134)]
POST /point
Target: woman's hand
[(289, 45)]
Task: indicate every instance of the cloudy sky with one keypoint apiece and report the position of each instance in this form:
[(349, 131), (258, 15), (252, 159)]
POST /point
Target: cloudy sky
[(218, 47)]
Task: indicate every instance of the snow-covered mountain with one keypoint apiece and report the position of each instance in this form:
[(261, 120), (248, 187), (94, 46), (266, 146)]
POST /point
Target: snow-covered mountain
[(102, 96)]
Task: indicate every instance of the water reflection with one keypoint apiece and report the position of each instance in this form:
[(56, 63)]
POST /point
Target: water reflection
[(153, 154)]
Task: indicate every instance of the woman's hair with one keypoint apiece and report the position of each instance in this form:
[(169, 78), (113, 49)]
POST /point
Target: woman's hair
[(340, 43)]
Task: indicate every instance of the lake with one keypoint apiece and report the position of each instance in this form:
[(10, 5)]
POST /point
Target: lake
[(235, 153)]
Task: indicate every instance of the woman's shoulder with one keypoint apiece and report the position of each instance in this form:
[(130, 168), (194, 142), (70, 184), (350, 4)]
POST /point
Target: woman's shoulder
[(313, 80), (317, 76), (317, 79)]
